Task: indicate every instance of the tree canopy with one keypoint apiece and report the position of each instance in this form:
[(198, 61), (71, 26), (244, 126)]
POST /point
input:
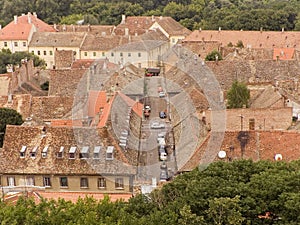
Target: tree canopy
[(238, 95), (240, 192), (6, 58), (207, 14), (8, 116)]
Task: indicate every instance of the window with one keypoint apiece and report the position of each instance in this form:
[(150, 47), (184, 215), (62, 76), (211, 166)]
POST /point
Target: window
[(33, 152), (32, 52), (119, 183), (97, 152), (139, 54), (45, 151), (85, 53), (121, 54), (5, 44), (16, 44), (60, 153), (101, 182), (84, 182), (112, 54), (252, 124), (94, 53), (30, 181), (22, 152), (39, 52), (11, 181), (84, 153), (45, 52), (47, 181), (129, 54), (64, 182), (72, 153), (50, 53), (103, 53), (24, 44), (173, 40), (110, 153)]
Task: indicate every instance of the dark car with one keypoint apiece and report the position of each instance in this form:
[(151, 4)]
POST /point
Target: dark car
[(162, 115)]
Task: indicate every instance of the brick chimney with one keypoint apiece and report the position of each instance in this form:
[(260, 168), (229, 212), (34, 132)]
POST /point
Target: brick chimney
[(16, 19)]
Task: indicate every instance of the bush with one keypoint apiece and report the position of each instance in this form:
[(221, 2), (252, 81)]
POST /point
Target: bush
[(213, 55)]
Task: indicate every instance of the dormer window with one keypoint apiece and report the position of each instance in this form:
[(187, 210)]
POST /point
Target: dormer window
[(60, 153), (72, 153), (97, 152), (33, 152), (84, 153), (22, 152), (110, 153), (45, 151)]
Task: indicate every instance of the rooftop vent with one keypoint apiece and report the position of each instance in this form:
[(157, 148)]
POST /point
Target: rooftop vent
[(222, 154), (278, 157)]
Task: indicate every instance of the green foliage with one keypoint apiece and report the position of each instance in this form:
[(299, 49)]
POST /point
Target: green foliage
[(213, 56), (240, 192), (240, 44), (238, 95), (6, 57), (8, 116), (207, 14)]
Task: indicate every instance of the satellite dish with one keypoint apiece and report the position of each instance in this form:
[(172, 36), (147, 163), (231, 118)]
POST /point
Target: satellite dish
[(278, 157), (222, 154)]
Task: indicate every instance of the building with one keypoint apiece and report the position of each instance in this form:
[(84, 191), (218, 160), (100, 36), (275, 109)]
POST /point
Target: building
[(17, 34), (63, 159)]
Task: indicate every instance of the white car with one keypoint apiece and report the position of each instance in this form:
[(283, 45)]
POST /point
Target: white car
[(157, 125), (161, 94)]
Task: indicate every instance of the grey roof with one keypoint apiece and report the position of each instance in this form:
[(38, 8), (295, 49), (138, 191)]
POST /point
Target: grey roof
[(57, 39), (140, 45)]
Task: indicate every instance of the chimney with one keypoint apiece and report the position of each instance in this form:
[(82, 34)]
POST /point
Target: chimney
[(219, 28), (282, 29), (160, 17), (153, 18), (126, 31), (0, 27), (34, 14), (16, 19), (123, 19), (29, 17), (200, 29), (261, 29)]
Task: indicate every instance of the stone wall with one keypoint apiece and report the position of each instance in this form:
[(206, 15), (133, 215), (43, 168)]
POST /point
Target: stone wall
[(253, 71), (264, 118)]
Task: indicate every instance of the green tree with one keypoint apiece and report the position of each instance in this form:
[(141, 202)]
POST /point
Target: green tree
[(225, 211), (238, 95), (213, 56), (8, 116)]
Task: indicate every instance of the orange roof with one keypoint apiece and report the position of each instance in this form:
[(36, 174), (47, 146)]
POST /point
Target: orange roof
[(21, 27), (283, 53), (66, 123), (74, 196), (105, 113), (97, 100), (253, 39)]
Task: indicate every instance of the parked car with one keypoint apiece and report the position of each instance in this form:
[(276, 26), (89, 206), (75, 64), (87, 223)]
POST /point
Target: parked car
[(157, 125), (163, 175), (161, 94), (160, 136), (147, 107), (162, 115)]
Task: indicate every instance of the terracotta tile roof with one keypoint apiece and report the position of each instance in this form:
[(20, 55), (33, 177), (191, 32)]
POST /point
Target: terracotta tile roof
[(55, 138), (138, 108), (82, 63), (138, 25), (268, 98), (102, 43), (97, 100), (74, 196), (172, 27), (284, 53), (259, 145), (20, 28), (66, 123), (94, 29), (57, 39), (105, 113), (253, 39)]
